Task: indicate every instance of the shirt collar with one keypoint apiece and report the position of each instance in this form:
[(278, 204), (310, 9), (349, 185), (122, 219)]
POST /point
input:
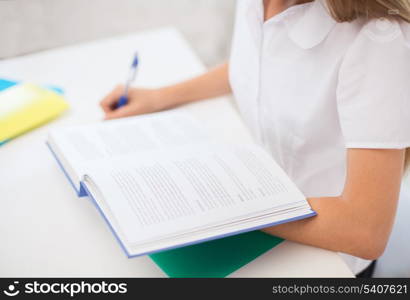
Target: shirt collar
[(313, 26)]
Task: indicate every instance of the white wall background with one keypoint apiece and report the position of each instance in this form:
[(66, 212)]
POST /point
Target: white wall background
[(32, 25)]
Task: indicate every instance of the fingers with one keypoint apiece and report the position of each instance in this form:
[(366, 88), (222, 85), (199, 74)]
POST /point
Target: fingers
[(109, 105), (109, 102), (124, 111)]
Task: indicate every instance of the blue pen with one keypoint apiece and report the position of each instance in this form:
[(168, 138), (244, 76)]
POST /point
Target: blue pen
[(132, 74)]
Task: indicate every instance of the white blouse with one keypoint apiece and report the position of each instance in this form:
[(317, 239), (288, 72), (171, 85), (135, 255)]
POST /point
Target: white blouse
[(309, 87)]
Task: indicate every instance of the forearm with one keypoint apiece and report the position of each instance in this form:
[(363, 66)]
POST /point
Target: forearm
[(331, 229), (343, 225), (212, 84), (360, 220)]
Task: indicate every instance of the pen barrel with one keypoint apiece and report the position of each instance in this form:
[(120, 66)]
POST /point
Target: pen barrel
[(122, 101)]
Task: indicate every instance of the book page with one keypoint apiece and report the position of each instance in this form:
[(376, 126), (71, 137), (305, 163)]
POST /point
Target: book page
[(82, 144), (170, 191)]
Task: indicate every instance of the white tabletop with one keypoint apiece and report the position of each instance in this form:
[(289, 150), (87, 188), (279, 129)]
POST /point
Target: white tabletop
[(45, 230)]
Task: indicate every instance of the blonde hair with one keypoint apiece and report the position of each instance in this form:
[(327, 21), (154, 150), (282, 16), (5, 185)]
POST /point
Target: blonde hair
[(349, 10)]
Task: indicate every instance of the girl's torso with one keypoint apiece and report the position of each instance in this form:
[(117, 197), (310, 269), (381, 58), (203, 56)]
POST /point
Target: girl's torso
[(292, 77)]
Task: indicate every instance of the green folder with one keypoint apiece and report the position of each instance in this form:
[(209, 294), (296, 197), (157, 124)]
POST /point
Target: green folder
[(216, 258)]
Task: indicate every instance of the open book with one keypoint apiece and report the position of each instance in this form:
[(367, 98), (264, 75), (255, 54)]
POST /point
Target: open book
[(160, 182)]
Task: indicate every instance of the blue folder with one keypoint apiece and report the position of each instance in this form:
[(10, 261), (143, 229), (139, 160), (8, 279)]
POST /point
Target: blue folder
[(6, 83)]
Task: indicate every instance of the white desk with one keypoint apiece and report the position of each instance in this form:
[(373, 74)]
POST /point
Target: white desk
[(45, 230)]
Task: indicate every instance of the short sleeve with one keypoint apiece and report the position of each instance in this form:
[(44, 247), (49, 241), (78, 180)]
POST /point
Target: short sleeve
[(373, 90)]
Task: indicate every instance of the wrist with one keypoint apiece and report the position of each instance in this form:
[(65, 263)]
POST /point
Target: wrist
[(167, 97)]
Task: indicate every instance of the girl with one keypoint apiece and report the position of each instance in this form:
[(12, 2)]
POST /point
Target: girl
[(324, 85)]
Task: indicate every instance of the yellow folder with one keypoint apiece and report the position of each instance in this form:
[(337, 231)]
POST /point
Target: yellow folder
[(27, 106)]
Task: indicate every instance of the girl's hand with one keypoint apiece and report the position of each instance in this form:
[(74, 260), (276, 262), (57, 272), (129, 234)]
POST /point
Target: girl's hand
[(140, 101)]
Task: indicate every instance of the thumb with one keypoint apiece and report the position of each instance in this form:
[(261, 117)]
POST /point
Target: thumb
[(121, 112)]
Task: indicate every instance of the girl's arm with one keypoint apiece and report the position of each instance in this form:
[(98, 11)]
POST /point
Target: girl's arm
[(360, 220), (214, 83)]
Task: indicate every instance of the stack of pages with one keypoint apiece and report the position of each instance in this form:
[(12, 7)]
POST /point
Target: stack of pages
[(161, 182)]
